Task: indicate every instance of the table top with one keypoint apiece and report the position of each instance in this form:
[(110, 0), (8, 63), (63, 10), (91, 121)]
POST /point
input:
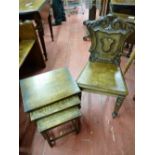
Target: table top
[(47, 88), (30, 5), (55, 107), (123, 2)]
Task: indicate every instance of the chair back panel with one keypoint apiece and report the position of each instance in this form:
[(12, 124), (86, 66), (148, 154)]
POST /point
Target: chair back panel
[(108, 35), (27, 30)]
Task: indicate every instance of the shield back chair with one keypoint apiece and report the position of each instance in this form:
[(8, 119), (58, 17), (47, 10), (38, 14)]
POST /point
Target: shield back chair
[(102, 73)]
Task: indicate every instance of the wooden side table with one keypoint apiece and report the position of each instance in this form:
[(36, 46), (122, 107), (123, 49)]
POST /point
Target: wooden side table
[(52, 99), (31, 10)]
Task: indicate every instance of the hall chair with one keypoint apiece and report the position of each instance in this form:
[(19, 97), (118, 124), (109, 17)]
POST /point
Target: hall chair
[(102, 73), (32, 11)]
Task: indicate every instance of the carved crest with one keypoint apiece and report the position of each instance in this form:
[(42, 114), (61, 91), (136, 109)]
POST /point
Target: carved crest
[(108, 35), (106, 44)]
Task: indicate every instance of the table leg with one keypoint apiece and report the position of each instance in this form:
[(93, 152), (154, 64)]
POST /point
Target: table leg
[(92, 16), (47, 137), (41, 33), (50, 26), (132, 57)]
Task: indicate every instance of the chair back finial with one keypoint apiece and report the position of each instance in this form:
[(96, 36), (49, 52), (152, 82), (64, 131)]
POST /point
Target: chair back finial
[(108, 35)]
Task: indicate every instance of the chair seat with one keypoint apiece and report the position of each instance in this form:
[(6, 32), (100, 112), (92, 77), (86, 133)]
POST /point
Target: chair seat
[(55, 107), (47, 88), (25, 47), (102, 77), (57, 119)]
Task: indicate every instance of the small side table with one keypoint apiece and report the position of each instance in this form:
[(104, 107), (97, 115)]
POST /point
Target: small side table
[(52, 99)]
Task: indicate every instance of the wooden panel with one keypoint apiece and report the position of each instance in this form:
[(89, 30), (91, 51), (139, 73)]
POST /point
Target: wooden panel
[(128, 18), (104, 77), (55, 107), (25, 47), (123, 2), (26, 31), (58, 119), (123, 6), (47, 88), (30, 5)]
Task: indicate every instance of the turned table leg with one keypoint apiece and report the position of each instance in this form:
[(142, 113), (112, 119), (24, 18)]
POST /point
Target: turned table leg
[(49, 140), (50, 26), (41, 33), (77, 125)]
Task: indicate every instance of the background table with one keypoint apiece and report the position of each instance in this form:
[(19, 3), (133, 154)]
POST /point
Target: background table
[(30, 9)]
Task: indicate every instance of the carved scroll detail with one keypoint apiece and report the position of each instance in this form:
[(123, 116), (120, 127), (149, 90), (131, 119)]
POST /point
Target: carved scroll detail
[(108, 35), (107, 42)]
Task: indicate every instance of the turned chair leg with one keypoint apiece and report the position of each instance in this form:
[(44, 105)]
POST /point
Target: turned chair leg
[(118, 104)]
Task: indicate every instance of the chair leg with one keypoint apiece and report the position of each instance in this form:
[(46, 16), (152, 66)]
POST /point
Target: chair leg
[(130, 50), (118, 104)]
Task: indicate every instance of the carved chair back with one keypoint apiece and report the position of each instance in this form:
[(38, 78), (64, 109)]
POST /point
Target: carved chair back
[(108, 35)]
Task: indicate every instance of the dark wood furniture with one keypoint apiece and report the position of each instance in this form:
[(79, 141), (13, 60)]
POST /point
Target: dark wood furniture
[(29, 52), (30, 9), (92, 16), (29, 46), (123, 6), (52, 99), (92, 11), (102, 73), (26, 131), (131, 59), (125, 9)]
